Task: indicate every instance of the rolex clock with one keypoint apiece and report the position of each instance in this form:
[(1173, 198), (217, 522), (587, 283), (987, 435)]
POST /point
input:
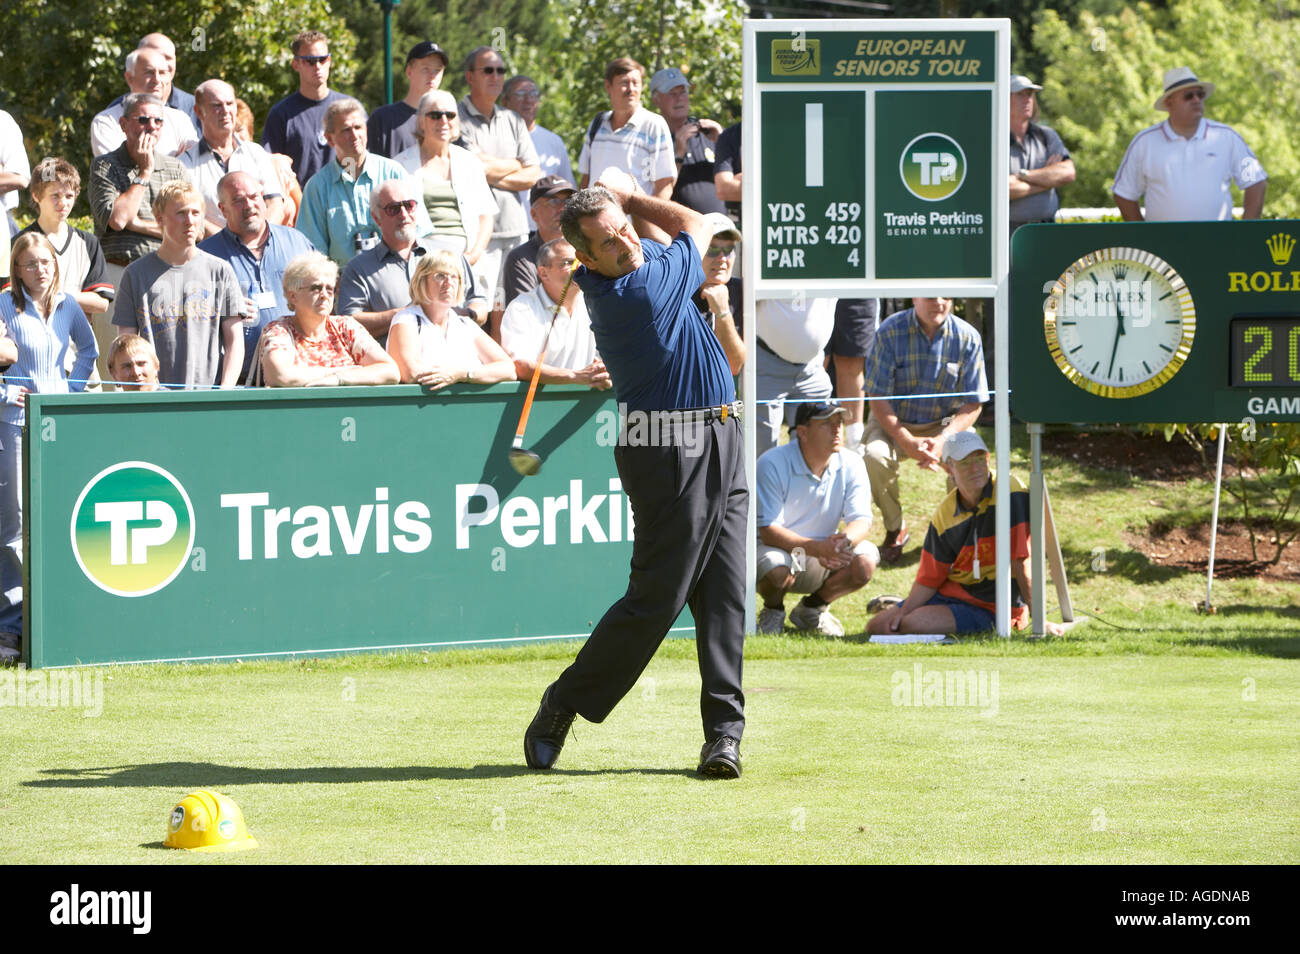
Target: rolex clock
[(1119, 322)]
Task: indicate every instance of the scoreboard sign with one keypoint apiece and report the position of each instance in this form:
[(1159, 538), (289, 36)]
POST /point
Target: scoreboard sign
[(1167, 322), (877, 153)]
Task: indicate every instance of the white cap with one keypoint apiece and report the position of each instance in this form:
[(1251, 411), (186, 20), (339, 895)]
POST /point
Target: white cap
[(720, 223), (961, 445)]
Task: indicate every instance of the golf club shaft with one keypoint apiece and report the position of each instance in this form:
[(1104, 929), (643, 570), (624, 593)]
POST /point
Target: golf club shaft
[(537, 368)]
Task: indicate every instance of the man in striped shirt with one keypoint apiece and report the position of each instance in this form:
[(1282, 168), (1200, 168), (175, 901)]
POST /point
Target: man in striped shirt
[(956, 586)]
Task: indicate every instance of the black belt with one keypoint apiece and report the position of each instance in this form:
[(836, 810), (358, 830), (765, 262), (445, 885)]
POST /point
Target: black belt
[(763, 346)]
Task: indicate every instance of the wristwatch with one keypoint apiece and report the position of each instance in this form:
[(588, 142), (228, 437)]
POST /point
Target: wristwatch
[(1023, 175), (139, 180)]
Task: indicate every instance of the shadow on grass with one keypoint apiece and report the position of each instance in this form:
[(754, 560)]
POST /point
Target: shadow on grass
[(1130, 564), (193, 775)]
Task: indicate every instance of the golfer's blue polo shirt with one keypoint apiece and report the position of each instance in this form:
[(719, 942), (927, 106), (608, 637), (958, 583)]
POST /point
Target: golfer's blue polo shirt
[(660, 352)]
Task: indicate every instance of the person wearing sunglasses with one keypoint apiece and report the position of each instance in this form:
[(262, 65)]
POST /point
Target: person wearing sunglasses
[(503, 144), (313, 347), (721, 298), (521, 95), (147, 71), (1184, 167), (451, 181), (123, 185), (376, 284), (294, 125)]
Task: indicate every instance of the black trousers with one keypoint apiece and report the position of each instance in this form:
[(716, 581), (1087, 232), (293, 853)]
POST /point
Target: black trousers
[(690, 503)]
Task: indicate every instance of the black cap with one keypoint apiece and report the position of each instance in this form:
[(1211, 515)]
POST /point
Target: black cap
[(817, 411), (547, 186), (428, 48)]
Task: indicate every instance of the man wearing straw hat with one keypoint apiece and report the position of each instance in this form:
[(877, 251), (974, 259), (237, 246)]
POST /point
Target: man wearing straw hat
[(1183, 166)]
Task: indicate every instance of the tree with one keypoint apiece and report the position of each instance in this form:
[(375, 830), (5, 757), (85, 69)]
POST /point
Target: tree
[(62, 61), (564, 46), (1107, 72)]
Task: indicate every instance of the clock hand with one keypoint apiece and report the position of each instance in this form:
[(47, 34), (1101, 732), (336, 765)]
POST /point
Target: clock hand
[(1119, 330)]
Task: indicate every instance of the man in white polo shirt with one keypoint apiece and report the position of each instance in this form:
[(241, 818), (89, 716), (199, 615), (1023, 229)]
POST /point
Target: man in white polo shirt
[(805, 489), (1184, 165), (571, 349), (221, 151)]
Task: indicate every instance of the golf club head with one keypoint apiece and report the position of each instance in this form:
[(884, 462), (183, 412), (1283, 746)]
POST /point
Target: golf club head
[(525, 462)]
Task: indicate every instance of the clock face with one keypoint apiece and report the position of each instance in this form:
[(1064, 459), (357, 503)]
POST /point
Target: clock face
[(1119, 322)]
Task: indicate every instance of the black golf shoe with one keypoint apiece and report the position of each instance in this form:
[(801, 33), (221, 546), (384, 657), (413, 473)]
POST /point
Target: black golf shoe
[(720, 758), (545, 735)]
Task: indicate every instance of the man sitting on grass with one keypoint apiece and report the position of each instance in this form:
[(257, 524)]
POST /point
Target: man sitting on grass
[(955, 588), (805, 489)]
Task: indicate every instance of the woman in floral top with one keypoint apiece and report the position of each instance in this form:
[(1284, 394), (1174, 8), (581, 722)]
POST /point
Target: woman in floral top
[(312, 348)]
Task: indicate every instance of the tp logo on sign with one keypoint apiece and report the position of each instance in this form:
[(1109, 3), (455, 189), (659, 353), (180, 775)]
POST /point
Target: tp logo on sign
[(132, 529), (932, 167)]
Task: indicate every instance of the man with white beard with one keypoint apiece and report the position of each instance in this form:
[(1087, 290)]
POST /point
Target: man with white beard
[(376, 284)]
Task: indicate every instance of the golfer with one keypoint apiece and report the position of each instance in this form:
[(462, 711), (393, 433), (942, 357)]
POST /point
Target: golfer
[(687, 488)]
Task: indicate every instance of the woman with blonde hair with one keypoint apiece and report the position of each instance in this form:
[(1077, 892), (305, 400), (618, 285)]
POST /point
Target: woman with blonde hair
[(432, 343), (38, 325), (313, 348)]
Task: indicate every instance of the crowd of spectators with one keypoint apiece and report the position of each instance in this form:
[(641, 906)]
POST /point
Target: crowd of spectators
[(420, 242)]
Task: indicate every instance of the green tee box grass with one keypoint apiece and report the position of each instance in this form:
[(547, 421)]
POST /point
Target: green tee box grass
[(1183, 756), (1154, 735)]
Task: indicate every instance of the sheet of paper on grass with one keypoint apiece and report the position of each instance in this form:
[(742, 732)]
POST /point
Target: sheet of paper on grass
[(911, 638)]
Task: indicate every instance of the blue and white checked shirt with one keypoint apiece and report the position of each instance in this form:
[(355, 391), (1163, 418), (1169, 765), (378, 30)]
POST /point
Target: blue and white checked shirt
[(904, 361)]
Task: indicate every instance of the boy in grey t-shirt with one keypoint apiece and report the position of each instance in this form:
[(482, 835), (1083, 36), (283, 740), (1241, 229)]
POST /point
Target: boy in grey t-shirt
[(185, 302)]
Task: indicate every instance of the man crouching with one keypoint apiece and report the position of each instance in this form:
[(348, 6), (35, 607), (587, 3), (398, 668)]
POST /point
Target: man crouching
[(805, 488)]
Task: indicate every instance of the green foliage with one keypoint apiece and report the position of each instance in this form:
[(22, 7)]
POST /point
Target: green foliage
[(458, 26), (702, 40), (1267, 485), (564, 46), (1106, 72), (62, 61)]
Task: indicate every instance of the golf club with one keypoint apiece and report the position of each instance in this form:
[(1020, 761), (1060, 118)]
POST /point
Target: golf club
[(524, 461)]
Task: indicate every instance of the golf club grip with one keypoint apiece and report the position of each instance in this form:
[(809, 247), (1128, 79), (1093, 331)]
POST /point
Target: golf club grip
[(537, 368)]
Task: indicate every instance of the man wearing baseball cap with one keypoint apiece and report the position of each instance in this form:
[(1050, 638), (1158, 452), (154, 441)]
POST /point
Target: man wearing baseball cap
[(956, 588), (721, 299), (1040, 163), (391, 128), (519, 270), (1185, 165), (693, 141), (806, 489)]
